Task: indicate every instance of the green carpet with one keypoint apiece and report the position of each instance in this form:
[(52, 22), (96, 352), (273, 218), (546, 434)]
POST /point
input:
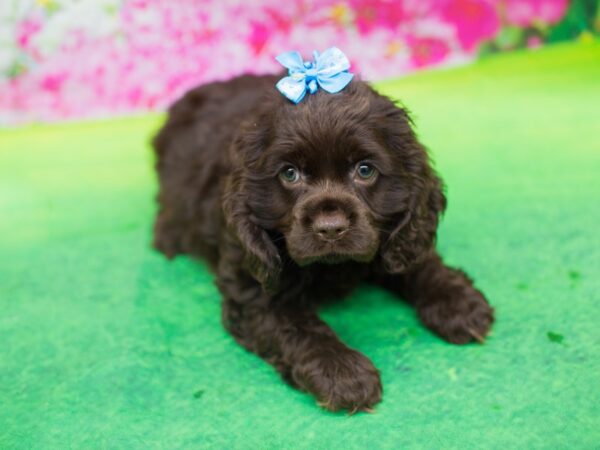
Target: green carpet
[(105, 344)]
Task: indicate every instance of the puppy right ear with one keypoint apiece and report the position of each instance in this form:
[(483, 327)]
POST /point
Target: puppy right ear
[(261, 257)]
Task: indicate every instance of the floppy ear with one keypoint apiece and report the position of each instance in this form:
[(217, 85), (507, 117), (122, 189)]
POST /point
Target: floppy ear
[(413, 236), (261, 257)]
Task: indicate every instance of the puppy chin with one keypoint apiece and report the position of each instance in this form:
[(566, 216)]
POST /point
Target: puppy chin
[(331, 256)]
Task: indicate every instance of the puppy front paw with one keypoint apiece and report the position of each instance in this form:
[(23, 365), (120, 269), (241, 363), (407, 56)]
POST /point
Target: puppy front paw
[(340, 379), (459, 318)]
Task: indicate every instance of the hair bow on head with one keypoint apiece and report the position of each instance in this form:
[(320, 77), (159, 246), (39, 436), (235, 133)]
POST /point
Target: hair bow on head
[(329, 71)]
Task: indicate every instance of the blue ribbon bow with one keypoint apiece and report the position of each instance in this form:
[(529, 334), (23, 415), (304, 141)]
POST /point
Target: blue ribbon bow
[(328, 71)]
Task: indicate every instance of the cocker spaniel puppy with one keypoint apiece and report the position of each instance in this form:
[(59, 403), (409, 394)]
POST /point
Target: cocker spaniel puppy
[(292, 204)]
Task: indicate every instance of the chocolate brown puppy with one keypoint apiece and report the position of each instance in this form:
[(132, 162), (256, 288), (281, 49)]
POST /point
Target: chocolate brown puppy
[(294, 204)]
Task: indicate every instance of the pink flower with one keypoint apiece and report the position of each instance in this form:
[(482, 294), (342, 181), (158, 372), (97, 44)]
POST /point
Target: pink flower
[(278, 21), (474, 21), (26, 30), (271, 23), (373, 14), (526, 12), (53, 82), (259, 35), (427, 50), (534, 42)]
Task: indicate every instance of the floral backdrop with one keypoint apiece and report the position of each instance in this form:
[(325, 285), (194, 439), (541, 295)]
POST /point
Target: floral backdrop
[(64, 59)]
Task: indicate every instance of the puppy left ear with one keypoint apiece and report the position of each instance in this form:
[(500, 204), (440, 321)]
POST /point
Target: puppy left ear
[(413, 237), (261, 257)]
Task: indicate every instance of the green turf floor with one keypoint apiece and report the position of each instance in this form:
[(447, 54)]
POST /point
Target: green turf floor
[(105, 344)]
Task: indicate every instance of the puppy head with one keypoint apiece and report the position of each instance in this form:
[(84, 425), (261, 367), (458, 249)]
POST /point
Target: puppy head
[(334, 178)]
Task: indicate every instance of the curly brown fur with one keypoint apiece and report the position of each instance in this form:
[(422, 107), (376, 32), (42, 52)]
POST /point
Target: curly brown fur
[(280, 247)]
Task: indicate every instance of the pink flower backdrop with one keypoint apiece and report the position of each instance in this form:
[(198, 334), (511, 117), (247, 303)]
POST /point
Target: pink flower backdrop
[(64, 59)]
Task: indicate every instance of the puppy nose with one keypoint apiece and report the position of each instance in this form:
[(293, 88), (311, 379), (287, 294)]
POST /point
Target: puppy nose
[(331, 226)]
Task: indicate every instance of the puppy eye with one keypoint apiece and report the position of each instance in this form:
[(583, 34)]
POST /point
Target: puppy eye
[(365, 170), (289, 174)]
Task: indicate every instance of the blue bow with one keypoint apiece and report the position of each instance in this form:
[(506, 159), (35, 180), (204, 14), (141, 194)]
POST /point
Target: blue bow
[(329, 71)]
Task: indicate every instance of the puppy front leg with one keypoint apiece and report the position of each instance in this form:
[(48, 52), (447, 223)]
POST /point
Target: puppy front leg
[(305, 351), (445, 300)]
